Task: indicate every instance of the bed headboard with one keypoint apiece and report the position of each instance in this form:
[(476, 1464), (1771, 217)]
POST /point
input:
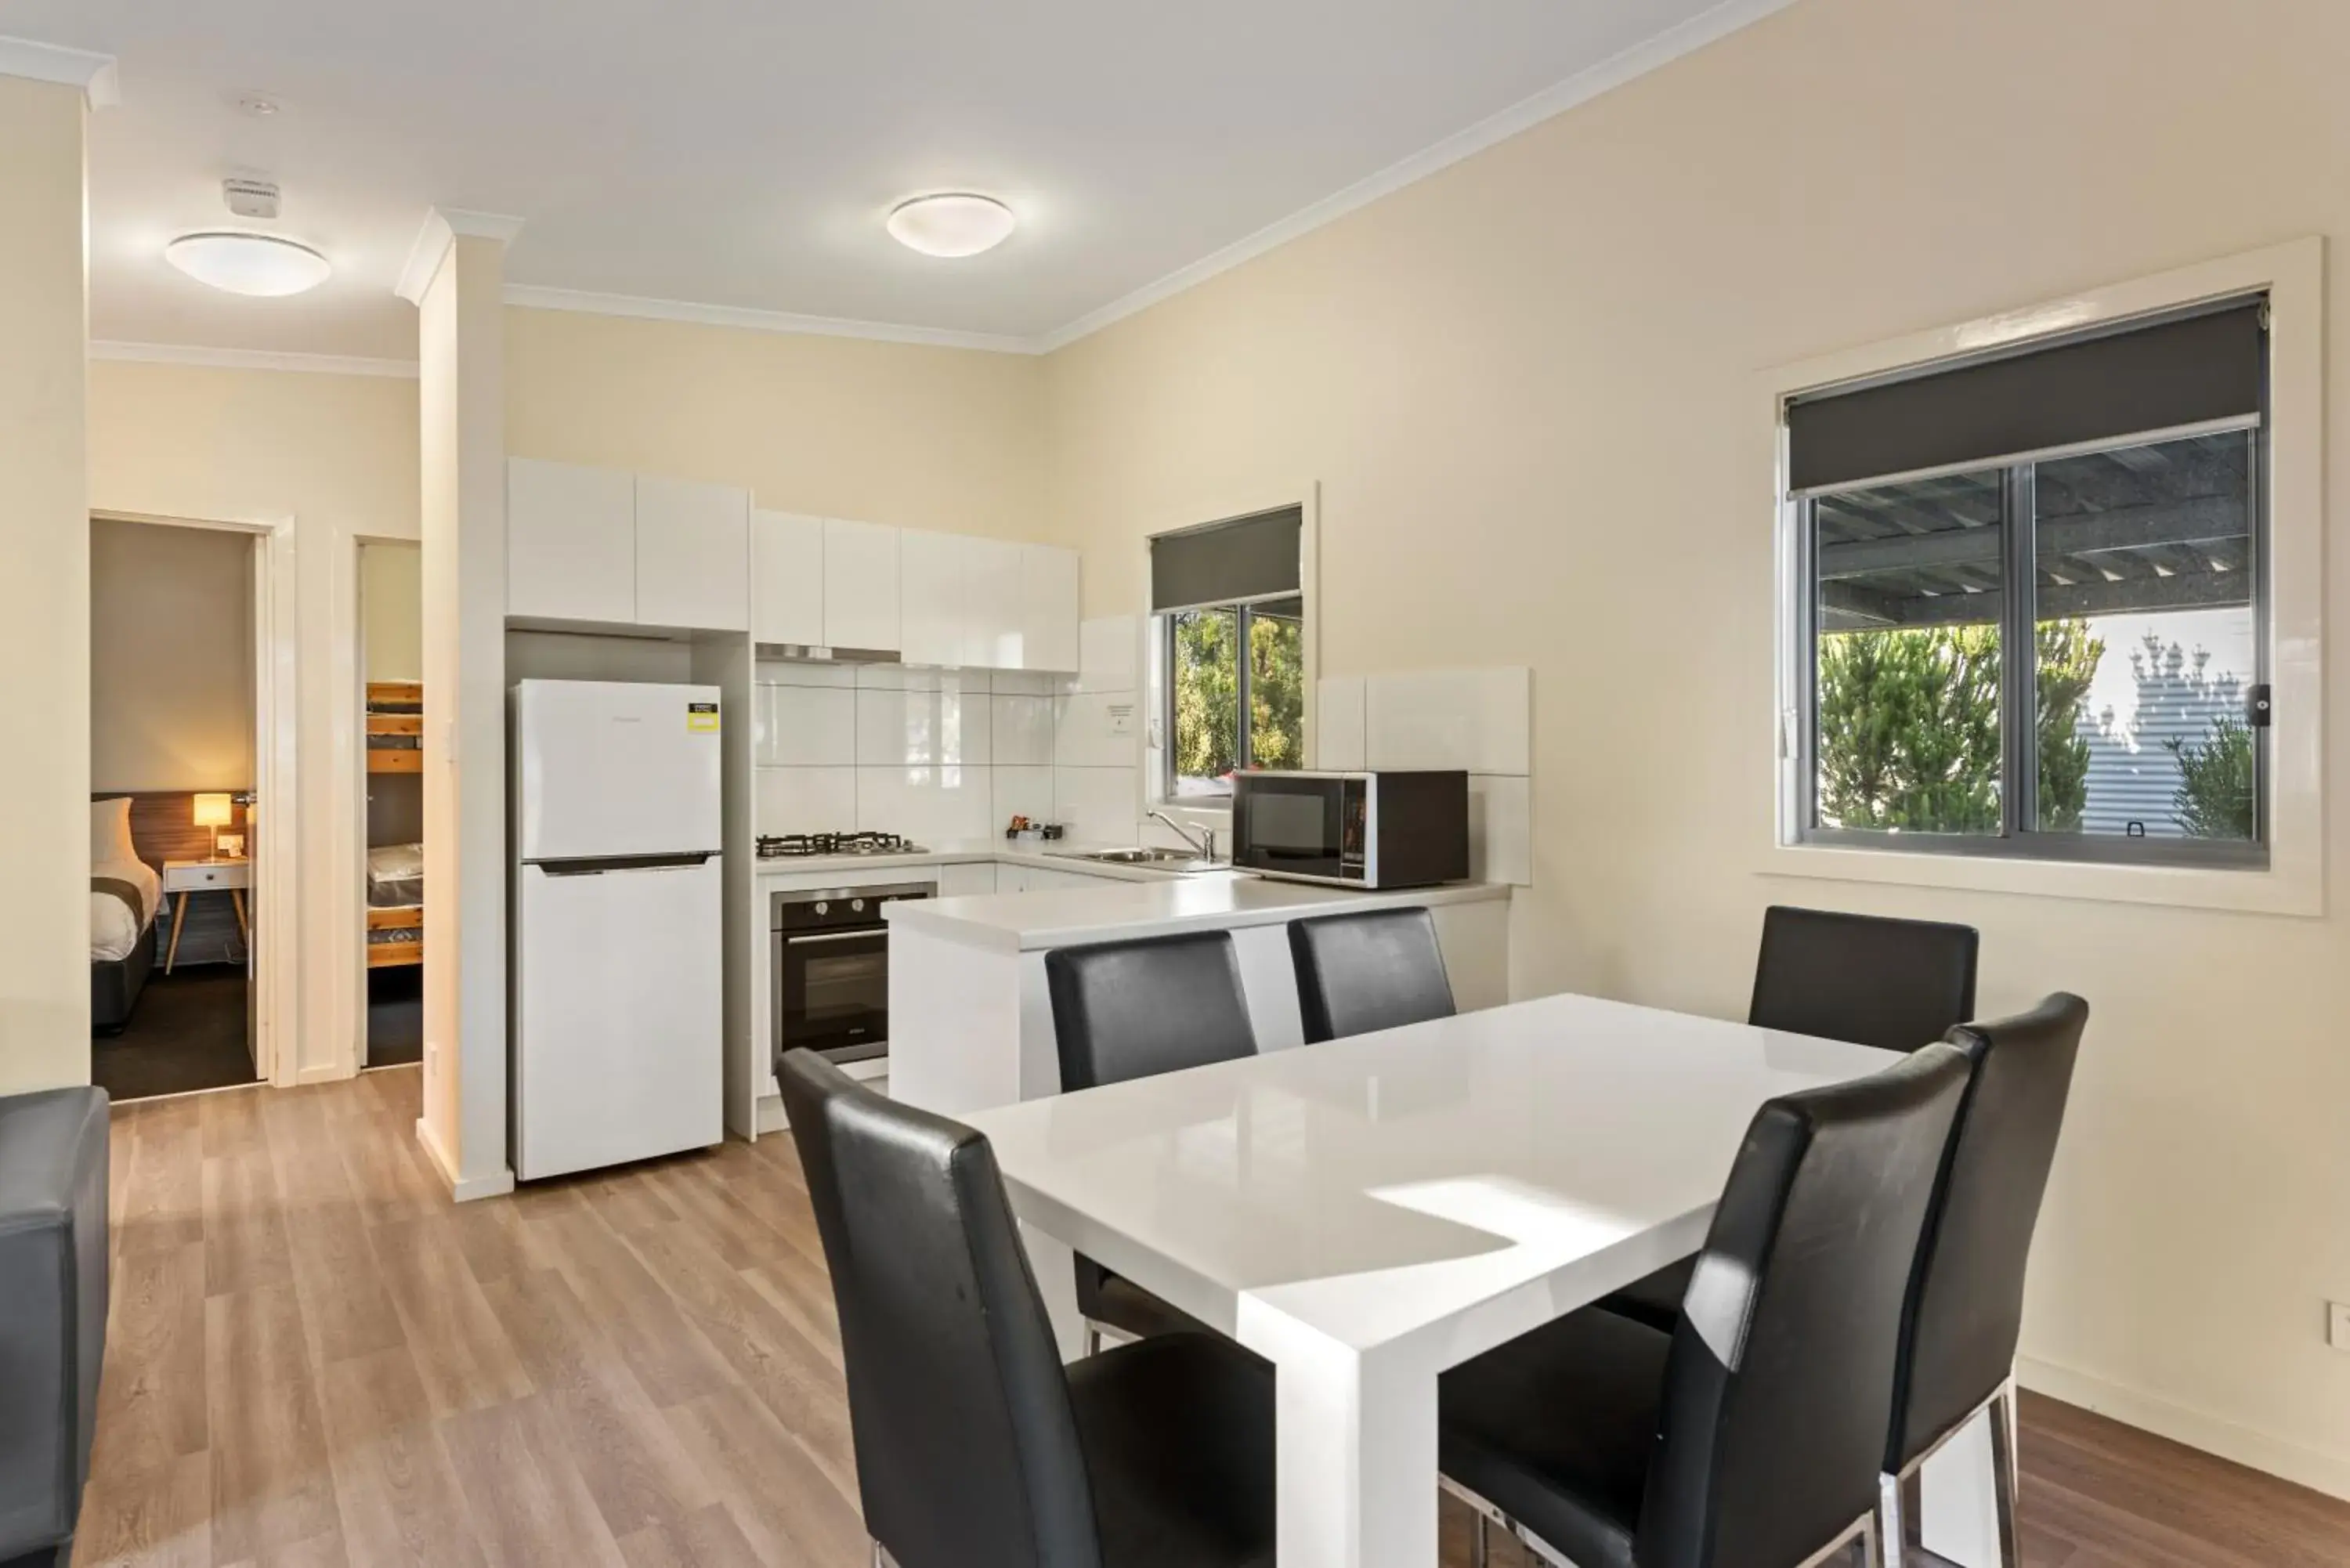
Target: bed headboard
[(163, 826)]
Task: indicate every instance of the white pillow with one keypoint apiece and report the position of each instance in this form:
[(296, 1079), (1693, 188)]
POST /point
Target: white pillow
[(109, 832)]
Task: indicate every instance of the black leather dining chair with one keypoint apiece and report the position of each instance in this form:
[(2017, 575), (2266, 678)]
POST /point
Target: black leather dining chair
[(1378, 969), (975, 1447), (1750, 1435), (1965, 1307), (1134, 1009), (1867, 978)]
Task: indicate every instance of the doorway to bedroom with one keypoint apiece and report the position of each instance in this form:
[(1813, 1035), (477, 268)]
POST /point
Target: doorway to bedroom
[(174, 710), (391, 639)]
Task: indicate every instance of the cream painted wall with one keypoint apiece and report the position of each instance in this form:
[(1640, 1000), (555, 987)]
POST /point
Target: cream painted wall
[(45, 635), (333, 458), (1528, 389), (885, 432), (392, 612), (171, 658)]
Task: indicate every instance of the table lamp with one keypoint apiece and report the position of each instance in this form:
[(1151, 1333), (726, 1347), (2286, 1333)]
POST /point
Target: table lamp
[(213, 811)]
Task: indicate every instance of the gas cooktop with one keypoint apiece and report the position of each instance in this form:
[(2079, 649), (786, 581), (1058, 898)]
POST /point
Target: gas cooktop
[(795, 845)]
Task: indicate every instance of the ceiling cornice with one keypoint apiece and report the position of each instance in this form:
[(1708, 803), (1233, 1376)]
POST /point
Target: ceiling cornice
[(1579, 88), (251, 360), (538, 299), (93, 73), (441, 228)]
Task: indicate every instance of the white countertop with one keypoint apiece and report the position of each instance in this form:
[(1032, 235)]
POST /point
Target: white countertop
[(1154, 904), (1058, 856)]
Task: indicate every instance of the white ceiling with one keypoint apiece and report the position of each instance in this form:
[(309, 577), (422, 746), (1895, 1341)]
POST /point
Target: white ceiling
[(742, 154)]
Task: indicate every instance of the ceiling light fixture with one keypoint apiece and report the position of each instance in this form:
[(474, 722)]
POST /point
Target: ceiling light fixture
[(952, 225), (260, 265)]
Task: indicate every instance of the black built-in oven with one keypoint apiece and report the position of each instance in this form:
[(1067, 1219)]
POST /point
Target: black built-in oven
[(1383, 829), (831, 969)]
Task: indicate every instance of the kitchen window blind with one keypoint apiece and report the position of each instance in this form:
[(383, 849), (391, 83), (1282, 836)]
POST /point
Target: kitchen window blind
[(1231, 562)]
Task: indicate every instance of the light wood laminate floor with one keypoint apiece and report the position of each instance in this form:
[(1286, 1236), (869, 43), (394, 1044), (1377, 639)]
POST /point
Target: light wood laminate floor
[(317, 1359)]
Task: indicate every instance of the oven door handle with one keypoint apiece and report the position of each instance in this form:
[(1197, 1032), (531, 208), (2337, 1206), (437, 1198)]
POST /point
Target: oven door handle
[(867, 935)]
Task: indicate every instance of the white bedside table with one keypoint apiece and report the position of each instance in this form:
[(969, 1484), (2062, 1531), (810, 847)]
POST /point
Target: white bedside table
[(185, 877)]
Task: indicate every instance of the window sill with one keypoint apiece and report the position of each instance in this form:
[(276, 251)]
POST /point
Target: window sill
[(1217, 816), (2290, 886)]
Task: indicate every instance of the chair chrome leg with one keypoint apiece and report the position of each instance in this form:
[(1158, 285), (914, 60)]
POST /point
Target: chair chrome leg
[(880, 1558), (2004, 1475), (1481, 1543), (1093, 1339), (1892, 1528)]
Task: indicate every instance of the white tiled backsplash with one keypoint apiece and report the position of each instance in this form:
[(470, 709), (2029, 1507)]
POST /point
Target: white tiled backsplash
[(946, 754), (1480, 719)]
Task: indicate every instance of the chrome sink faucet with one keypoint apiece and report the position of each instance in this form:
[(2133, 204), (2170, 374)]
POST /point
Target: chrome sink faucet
[(1204, 846)]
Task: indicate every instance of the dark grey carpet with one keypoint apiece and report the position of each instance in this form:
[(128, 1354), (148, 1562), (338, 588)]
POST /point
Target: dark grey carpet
[(395, 1015), (186, 1032)]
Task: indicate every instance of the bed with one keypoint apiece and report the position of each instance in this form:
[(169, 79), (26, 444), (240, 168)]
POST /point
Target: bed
[(395, 893), (125, 895)]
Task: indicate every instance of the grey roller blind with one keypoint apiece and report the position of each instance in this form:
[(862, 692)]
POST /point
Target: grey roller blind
[(2146, 379), (1246, 559)]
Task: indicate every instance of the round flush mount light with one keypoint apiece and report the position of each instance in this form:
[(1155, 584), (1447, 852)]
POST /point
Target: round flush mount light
[(951, 225), (261, 265)]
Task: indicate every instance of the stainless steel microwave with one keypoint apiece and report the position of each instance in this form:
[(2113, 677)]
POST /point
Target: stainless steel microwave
[(1355, 830)]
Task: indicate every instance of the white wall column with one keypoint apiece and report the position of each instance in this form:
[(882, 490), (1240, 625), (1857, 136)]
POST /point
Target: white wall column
[(44, 96), (456, 278)]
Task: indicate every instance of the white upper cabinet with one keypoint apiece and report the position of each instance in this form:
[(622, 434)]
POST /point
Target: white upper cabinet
[(787, 578), (860, 586), (992, 625), (571, 541), (693, 555), (1048, 608), (930, 597), (602, 546)]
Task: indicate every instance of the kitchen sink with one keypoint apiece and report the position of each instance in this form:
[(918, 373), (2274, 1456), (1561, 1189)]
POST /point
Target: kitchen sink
[(1164, 860)]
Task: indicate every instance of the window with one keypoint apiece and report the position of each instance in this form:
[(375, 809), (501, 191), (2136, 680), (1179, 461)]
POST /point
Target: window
[(2033, 600), (1225, 713), (1231, 618)]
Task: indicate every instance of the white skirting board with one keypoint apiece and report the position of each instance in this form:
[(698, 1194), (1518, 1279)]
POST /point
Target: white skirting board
[(2313, 1467)]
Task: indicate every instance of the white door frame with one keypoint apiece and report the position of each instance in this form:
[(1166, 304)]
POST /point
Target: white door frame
[(276, 850)]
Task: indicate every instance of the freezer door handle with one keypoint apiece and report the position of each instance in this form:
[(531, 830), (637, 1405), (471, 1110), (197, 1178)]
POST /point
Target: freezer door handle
[(597, 866)]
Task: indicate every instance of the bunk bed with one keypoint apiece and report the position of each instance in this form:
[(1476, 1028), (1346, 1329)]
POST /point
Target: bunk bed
[(395, 873)]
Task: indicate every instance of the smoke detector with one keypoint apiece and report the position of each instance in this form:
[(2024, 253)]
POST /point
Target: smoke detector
[(251, 198)]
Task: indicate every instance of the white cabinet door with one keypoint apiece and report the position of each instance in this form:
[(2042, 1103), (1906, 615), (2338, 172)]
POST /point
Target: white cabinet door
[(957, 881), (1048, 609), (860, 586), (1012, 879), (991, 622), (930, 597), (786, 578), (693, 555), (571, 541)]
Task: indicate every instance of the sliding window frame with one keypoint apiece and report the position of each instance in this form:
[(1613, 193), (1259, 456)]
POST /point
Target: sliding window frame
[(2020, 838)]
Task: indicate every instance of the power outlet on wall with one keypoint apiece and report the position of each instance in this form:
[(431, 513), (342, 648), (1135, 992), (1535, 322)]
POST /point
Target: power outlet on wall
[(2337, 1324)]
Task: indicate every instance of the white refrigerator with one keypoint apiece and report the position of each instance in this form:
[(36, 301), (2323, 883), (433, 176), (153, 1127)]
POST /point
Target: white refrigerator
[(617, 912)]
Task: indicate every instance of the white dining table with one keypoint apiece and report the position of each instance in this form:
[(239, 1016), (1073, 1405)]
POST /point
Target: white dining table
[(1369, 1212)]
